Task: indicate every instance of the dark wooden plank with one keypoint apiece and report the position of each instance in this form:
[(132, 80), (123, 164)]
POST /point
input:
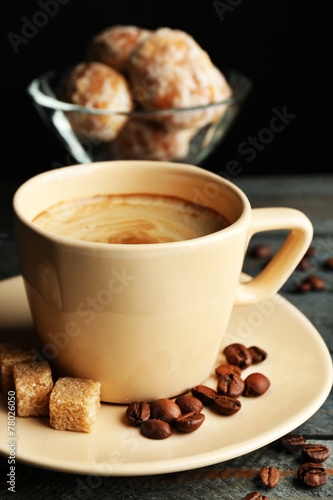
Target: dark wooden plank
[(230, 480)]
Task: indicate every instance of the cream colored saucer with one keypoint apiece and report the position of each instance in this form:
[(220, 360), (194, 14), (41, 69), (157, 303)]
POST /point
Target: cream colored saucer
[(298, 364)]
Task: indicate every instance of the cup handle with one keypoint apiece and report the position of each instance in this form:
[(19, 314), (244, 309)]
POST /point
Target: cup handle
[(278, 270)]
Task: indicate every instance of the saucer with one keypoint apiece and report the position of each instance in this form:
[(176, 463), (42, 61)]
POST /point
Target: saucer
[(298, 365)]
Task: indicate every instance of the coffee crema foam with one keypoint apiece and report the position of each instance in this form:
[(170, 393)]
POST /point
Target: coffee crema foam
[(130, 219)]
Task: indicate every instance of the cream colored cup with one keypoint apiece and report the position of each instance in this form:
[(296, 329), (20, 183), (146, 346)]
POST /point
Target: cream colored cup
[(147, 320)]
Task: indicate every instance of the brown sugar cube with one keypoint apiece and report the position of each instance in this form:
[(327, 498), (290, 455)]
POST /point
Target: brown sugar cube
[(74, 403), (33, 386), (12, 353)]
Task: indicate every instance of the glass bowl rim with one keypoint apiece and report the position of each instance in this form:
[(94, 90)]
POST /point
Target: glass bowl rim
[(42, 99)]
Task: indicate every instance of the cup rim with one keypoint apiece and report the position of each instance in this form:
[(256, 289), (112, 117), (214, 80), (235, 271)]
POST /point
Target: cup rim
[(123, 247)]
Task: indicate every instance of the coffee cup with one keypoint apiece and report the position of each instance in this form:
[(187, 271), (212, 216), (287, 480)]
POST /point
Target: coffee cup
[(145, 319)]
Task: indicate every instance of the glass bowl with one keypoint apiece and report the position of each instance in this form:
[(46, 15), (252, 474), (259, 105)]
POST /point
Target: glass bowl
[(185, 135)]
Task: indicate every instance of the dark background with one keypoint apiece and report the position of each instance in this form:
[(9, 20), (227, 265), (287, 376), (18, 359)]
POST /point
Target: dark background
[(283, 46)]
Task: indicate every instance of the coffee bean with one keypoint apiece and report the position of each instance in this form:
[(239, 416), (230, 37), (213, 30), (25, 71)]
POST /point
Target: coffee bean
[(311, 252), (138, 412), (304, 264), (189, 422), (226, 405), (188, 404), (292, 441), (230, 385), (316, 283), (156, 429), (220, 370), (238, 354), (255, 495), (262, 251), (312, 474), (164, 409), (315, 452), (205, 394), (256, 384), (258, 355), (329, 263), (269, 476), (303, 287)]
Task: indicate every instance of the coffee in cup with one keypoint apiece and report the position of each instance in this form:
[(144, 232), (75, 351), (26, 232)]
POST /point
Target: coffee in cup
[(130, 219)]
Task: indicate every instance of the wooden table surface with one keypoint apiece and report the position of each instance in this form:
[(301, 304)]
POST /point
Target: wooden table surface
[(235, 478)]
